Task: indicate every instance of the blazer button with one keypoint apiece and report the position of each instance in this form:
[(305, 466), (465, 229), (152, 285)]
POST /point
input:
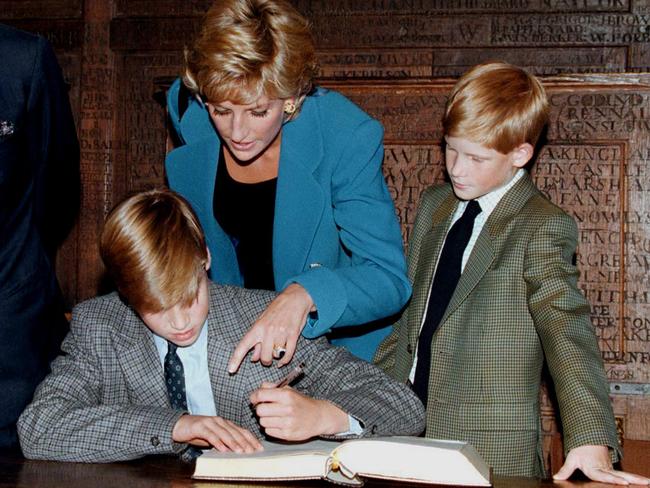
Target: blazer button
[(409, 348), (155, 441)]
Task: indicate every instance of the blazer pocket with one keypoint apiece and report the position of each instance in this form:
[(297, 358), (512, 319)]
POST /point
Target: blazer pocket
[(499, 416)]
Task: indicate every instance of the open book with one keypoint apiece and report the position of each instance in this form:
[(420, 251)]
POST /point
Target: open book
[(411, 459)]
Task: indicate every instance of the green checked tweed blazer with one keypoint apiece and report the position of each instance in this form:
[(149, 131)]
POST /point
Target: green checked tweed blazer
[(106, 400), (516, 305)]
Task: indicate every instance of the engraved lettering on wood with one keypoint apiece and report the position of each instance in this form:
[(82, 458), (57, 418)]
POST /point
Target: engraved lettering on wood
[(152, 34), (407, 114), (346, 7), (408, 170), (144, 120), (64, 35), (588, 116), (639, 58), (376, 64), (43, 9), (603, 36), (541, 61), (570, 28), (406, 30), (162, 8), (96, 142)]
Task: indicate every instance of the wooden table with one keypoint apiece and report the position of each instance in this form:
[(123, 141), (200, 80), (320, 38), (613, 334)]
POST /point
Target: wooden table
[(165, 471)]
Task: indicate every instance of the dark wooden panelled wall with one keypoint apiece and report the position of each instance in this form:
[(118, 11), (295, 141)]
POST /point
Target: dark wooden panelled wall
[(397, 59)]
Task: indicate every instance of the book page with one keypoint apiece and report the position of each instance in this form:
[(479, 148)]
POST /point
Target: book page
[(414, 459), (278, 461)]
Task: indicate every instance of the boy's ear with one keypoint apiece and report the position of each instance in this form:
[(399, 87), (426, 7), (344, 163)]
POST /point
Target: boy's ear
[(209, 260), (522, 154)]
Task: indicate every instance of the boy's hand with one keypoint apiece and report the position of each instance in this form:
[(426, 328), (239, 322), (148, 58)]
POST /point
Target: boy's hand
[(287, 414), (594, 462), (218, 432), (279, 326)]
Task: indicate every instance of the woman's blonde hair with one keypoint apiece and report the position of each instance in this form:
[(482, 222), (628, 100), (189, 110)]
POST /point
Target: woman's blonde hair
[(154, 249), (249, 48), (497, 105)]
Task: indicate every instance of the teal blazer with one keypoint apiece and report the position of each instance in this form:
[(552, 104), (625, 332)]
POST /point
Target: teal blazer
[(335, 229)]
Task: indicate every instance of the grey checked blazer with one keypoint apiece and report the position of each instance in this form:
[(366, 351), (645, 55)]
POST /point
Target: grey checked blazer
[(105, 400), (516, 305)]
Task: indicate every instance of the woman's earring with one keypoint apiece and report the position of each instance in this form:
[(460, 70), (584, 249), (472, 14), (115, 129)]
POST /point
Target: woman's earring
[(289, 107)]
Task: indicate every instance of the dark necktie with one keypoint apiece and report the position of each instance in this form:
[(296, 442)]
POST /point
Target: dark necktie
[(444, 284), (175, 381), (175, 378)]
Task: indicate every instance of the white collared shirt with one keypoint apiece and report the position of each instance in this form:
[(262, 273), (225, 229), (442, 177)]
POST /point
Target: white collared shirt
[(488, 203), (198, 389)]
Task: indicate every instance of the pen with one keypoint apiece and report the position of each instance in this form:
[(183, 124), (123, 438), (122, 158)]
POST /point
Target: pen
[(293, 374)]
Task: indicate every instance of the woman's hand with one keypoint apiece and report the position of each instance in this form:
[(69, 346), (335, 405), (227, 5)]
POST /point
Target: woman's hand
[(277, 328), (289, 415)]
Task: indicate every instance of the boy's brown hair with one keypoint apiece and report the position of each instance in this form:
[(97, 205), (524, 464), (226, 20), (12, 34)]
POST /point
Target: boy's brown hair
[(154, 249), (497, 105)]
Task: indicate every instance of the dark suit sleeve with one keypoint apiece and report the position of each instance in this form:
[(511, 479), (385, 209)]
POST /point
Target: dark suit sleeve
[(561, 316), (34, 176), (53, 140)]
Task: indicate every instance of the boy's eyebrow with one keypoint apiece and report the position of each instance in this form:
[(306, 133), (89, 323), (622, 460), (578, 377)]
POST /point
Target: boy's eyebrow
[(471, 154)]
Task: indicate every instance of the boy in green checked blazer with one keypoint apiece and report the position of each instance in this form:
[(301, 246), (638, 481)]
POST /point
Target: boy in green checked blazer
[(495, 294)]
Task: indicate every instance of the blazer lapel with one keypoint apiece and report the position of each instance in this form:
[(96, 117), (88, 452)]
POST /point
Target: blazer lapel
[(478, 263), (299, 197), (222, 338), (218, 354), (511, 204), (195, 123), (194, 174), (140, 362), (205, 155), (431, 246)]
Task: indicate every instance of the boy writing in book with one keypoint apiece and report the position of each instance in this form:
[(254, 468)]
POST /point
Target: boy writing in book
[(144, 372), (495, 294)]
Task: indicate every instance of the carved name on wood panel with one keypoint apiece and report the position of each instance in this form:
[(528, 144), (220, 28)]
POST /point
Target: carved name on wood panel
[(144, 126), (444, 30), (547, 37), (387, 39), (41, 9), (429, 7), (98, 145), (162, 8), (65, 35)]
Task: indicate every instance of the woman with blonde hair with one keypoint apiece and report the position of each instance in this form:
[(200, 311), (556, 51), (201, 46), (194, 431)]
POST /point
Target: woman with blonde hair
[(286, 179)]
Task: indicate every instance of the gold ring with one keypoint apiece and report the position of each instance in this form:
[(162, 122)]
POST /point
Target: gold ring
[(278, 352)]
